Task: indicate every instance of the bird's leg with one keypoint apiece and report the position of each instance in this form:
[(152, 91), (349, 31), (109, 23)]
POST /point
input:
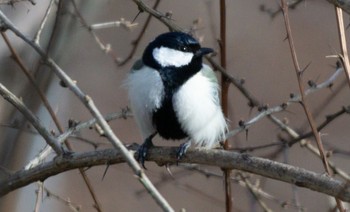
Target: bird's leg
[(143, 149), (183, 149)]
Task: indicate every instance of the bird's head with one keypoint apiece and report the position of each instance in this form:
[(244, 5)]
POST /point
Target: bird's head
[(174, 49)]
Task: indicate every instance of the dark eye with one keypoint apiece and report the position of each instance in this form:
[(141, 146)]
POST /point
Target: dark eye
[(185, 48)]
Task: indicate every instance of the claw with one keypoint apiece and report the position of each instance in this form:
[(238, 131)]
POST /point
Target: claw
[(182, 150), (143, 149)]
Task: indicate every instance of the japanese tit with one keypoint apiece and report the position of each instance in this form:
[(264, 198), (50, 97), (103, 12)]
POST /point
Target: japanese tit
[(173, 94)]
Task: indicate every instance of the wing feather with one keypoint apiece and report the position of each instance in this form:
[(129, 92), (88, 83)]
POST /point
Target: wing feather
[(145, 92)]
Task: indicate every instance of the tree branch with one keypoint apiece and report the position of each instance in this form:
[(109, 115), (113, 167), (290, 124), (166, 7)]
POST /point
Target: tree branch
[(167, 155)]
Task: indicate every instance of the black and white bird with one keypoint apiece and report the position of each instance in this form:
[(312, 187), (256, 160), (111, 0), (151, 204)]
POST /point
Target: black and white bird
[(174, 94)]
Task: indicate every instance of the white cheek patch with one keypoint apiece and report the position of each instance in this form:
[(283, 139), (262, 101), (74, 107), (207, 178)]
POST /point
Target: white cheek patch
[(171, 57)]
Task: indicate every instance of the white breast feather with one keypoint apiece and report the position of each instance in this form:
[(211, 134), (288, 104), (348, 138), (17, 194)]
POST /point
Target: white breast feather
[(197, 107), (145, 91)]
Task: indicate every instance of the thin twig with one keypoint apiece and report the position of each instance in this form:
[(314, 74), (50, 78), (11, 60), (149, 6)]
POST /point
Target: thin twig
[(43, 22), (32, 81), (72, 206), (104, 47), (219, 175), (253, 193), (238, 83), (61, 138), (282, 107), (136, 42), (295, 139), (342, 38), (254, 188), (329, 119), (294, 188), (224, 100), (16, 102), (274, 13), (310, 147), (163, 18), (39, 196), (122, 23)]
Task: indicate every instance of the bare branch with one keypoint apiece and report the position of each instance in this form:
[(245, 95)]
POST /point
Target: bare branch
[(43, 22), (165, 155)]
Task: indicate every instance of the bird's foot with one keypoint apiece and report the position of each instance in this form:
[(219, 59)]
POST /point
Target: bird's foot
[(181, 151), (143, 150)]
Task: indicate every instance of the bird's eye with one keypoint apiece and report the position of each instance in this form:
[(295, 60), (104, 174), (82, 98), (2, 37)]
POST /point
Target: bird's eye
[(184, 49)]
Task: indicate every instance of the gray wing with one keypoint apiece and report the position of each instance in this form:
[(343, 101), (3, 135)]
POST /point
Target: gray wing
[(145, 92)]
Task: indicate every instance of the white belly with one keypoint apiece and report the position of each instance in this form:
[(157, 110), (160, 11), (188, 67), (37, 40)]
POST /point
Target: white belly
[(197, 107)]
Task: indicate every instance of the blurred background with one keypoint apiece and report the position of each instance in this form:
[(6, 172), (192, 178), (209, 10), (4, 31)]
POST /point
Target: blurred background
[(256, 52)]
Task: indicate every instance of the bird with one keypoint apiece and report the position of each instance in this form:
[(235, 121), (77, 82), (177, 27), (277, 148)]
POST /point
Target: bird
[(174, 94)]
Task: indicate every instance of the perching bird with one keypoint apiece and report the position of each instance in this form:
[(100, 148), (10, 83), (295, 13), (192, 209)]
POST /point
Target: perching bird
[(174, 94)]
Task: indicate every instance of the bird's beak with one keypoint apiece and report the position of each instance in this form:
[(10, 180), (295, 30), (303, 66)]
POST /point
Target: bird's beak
[(203, 51)]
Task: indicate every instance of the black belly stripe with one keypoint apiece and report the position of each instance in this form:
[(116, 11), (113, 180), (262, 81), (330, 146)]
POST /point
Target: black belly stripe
[(166, 122)]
